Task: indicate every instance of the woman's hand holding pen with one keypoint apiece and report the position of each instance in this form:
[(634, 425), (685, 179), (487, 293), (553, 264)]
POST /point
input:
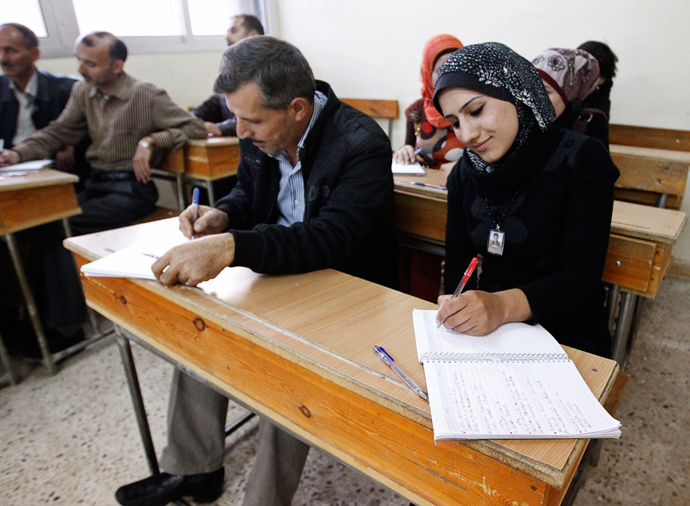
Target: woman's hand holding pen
[(209, 221), (477, 313), (406, 155)]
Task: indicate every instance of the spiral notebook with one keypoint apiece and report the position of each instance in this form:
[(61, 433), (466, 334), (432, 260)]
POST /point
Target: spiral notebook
[(515, 383)]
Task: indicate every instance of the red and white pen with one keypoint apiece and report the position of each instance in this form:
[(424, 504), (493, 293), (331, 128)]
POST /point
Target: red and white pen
[(463, 282)]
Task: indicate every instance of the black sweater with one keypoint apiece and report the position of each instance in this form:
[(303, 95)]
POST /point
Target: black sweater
[(557, 232), (349, 217)]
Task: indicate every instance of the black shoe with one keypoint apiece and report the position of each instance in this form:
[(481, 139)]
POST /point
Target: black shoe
[(160, 489)]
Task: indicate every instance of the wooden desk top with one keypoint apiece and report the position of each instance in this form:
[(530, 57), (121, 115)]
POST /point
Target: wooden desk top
[(325, 322), (628, 219), (647, 222), (213, 142), (35, 179), (38, 197)]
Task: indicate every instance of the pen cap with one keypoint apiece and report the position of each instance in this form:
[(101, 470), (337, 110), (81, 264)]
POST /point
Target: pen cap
[(195, 195)]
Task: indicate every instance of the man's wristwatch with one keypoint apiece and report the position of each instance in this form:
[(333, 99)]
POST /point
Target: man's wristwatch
[(145, 144)]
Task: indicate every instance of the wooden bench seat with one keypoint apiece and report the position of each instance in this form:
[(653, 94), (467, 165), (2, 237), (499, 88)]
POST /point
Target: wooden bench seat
[(378, 109)]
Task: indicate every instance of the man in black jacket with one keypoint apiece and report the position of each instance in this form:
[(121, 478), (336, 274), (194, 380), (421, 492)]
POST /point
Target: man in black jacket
[(314, 191)]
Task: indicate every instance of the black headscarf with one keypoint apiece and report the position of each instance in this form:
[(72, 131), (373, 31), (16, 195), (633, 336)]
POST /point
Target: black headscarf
[(495, 70)]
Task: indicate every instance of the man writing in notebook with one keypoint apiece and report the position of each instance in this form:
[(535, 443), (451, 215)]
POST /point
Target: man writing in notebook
[(314, 190)]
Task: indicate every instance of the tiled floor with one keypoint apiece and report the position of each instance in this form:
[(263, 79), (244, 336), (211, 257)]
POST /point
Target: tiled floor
[(71, 439)]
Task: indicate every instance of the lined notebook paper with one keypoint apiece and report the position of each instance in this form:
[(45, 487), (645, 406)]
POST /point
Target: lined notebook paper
[(515, 383)]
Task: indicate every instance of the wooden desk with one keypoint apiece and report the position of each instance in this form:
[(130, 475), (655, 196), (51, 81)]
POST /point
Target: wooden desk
[(298, 350), (651, 176), (204, 160), (638, 258), (26, 201), (639, 252)]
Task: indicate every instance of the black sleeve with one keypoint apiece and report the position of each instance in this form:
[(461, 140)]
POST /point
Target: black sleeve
[(346, 218), (598, 127), (587, 228), (210, 110), (459, 251)]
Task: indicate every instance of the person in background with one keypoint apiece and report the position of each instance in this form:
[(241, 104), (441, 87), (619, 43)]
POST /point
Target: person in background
[(430, 139), (125, 119), (600, 98), (314, 191), (31, 98), (548, 190), (219, 120), (570, 76)]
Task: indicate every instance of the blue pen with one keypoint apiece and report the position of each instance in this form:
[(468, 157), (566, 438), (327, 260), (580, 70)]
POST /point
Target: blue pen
[(195, 203), (388, 360), (437, 186)]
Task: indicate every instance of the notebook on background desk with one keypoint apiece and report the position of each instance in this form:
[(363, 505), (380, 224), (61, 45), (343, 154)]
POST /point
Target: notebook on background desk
[(413, 169), (515, 383)]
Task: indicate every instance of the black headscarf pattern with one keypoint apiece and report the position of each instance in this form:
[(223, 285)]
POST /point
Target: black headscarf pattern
[(496, 70)]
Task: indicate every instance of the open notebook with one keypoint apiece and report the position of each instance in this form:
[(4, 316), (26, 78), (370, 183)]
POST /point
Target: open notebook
[(515, 383), (134, 261)]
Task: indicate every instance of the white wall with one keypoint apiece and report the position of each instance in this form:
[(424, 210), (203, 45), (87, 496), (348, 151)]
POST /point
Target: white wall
[(372, 49)]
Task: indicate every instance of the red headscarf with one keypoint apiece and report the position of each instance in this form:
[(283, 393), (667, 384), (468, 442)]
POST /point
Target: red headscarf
[(435, 46)]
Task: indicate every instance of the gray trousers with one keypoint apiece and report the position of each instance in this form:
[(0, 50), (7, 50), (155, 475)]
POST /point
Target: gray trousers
[(196, 444)]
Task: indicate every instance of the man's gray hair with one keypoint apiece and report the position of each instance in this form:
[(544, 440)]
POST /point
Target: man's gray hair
[(279, 70)]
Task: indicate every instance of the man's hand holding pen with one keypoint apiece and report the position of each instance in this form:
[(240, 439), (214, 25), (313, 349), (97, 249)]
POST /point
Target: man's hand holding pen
[(201, 259)]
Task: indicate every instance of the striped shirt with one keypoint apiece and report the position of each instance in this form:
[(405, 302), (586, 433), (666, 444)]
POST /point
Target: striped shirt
[(115, 123), (291, 197)]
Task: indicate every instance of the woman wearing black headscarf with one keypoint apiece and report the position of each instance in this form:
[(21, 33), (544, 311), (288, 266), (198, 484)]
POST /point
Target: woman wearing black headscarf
[(547, 192)]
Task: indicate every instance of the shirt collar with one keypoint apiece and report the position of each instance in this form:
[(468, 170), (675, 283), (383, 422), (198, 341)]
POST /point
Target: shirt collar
[(319, 103), (122, 88), (31, 88)]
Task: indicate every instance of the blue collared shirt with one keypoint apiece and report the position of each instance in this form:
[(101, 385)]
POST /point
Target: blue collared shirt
[(291, 197)]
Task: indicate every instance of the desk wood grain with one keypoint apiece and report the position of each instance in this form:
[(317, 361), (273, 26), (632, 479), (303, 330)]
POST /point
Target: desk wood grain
[(298, 350), (38, 197), (211, 159)]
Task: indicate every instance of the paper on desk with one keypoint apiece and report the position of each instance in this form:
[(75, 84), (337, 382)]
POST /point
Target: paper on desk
[(414, 169), (134, 261), (32, 165)]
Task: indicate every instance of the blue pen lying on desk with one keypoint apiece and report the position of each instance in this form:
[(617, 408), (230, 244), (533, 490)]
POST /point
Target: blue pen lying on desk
[(388, 360), (437, 186)]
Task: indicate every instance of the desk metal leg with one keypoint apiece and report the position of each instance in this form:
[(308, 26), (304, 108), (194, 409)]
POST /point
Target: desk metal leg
[(612, 305), (180, 192), (137, 400), (625, 317), (30, 303), (7, 364), (211, 193)]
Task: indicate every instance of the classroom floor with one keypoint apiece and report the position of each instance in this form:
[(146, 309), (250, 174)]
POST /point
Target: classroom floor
[(72, 438)]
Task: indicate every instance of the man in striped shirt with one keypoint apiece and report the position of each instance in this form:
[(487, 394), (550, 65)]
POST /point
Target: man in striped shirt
[(125, 118)]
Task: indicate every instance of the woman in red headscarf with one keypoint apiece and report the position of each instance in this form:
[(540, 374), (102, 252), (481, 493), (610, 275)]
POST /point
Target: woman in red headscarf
[(430, 139)]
